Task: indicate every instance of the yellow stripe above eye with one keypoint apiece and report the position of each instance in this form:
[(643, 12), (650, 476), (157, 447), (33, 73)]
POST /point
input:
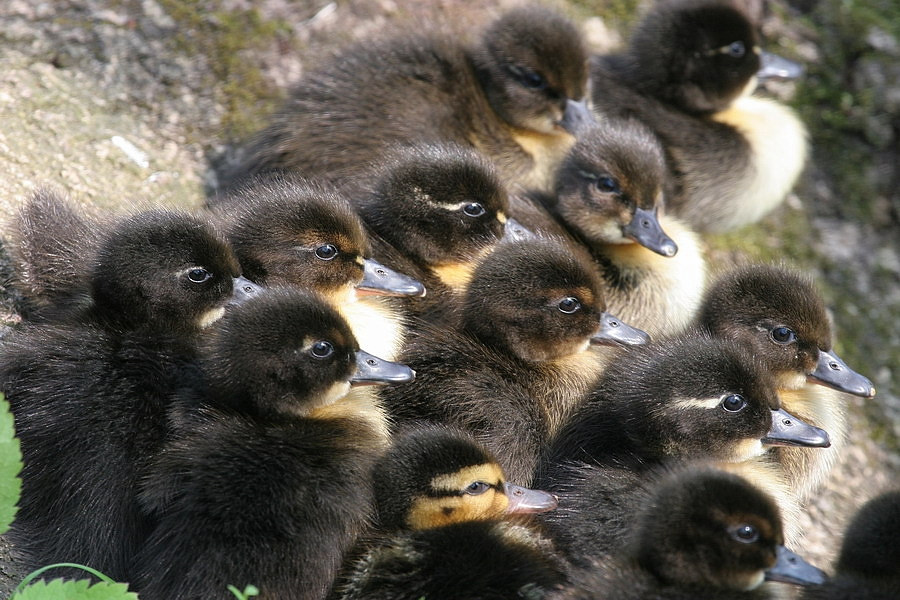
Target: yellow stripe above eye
[(706, 403)]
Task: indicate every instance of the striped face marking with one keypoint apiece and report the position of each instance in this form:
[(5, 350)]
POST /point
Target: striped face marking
[(470, 494)]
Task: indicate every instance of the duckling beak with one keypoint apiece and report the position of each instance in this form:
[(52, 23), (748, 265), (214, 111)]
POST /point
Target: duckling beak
[(371, 370), (576, 117), (378, 279), (242, 290), (614, 332), (514, 231), (791, 568), (831, 371), (524, 500), (788, 430), (645, 229), (772, 66)]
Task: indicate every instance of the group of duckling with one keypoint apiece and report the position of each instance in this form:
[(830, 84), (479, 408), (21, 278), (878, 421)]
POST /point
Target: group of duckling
[(430, 281)]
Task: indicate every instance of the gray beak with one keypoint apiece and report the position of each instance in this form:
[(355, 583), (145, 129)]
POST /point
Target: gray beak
[(371, 370), (645, 229), (576, 117), (773, 66), (791, 568), (834, 373), (614, 332), (514, 231), (243, 289), (378, 279), (525, 500), (788, 430)]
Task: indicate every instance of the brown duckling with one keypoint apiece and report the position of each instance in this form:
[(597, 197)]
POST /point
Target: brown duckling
[(687, 73), (511, 96)]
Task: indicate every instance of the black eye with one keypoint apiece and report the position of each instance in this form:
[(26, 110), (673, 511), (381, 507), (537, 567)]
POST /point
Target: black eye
[(477, 487), (746, 534), (326, 251), (735, 49), (474, 209), (569, 305), (199, 275), (528, 78), (322, 349), (783, 335), (734, 403), (607, 184)]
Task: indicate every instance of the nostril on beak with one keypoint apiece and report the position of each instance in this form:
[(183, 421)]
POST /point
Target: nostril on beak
[(834, 366), (787, 422), (371, 362)]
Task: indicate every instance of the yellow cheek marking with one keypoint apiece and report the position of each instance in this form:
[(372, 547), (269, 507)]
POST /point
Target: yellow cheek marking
[(501, 218), (455, 275), (360, 260), (745, 450), (360, 404), (210, 317), (427, 513), (751, 581)]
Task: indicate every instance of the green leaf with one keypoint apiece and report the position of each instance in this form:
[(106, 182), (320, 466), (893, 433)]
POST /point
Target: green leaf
[(59, 589), (250, 590), (10, 466)]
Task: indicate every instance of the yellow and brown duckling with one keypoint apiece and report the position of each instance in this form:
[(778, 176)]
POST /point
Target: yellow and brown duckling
[(90, 392), (608, 195), (868, 567), (521, 356), (450, 528), (266, 479), (288, 231), (778, 313), (433, 211), (687, 73), (697, 533), (511, 97)]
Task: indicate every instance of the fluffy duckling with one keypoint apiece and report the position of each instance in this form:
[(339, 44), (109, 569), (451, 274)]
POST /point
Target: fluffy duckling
[(687, 72), (697, 533), (511, 97), (434, 210), (267, 479), (868, 567), (521, 356), (608, 194), (779, 314), (445, 505), (90, 393), (287, 231)]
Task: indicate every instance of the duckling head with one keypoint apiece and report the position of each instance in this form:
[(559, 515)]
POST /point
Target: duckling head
[(699, 55), (609, 189), (442, 205), (434, 476), (287, 352), (292, 232), (164, 270), (698, 397), (782, 317), (703, 527), (532, 66), (541, 301), (870, 548)]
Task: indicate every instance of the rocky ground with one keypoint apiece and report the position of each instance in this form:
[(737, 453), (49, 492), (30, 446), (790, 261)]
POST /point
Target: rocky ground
[(117, 101)]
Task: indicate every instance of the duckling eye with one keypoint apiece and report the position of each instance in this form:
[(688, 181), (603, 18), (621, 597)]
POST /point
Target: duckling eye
[(199, 275), (734, 402), (607, 184), (326, 251), (322, 349), (746, 534), (735, 49), (569, 305), (477, 488), (783, 335), (528, 78), (474, 209)]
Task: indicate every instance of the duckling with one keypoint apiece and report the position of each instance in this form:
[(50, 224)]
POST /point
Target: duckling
[(434, 210), (608, 194), (521, 356), (868, 567), (266, 480), (446, 508), (287, 231), (696, 533), (511, 96), (687, 73), (90, 392), (778, 313)]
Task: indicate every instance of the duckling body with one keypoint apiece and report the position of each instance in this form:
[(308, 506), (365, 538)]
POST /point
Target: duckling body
[(510, 97), (433, 211), (687, 73), (868, 567), (520, 358), (695, 533), (607, 196), (90, 393), (266, 480), (446, 511)]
